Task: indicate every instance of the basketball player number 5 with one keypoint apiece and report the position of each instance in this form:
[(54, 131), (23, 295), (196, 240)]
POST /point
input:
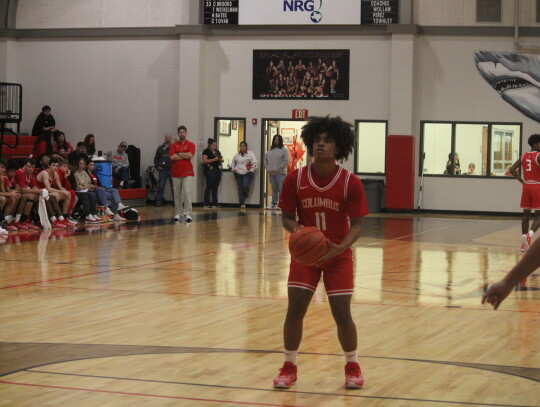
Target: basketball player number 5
[(529, 168), (320, 220)]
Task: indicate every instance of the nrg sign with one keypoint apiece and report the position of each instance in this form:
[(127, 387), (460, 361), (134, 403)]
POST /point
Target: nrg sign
[(304, 5)]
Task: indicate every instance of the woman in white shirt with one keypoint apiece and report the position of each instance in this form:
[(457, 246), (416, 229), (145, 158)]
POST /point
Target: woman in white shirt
[(243, 165)]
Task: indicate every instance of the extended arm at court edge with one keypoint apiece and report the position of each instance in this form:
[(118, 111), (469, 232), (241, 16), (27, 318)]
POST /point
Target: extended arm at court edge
[(496, 293)]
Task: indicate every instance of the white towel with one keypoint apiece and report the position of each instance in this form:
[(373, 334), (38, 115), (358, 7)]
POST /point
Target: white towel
[(42, 209)]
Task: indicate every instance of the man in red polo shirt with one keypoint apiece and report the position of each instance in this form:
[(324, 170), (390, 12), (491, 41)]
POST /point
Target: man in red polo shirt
[(181, 153)]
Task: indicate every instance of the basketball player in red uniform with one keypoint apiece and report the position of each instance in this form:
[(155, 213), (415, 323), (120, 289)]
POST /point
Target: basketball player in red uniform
[(530, 197), (329, 197)]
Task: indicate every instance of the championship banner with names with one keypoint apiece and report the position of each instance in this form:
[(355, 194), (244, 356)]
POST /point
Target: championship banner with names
[(218, 12), (380, 12)]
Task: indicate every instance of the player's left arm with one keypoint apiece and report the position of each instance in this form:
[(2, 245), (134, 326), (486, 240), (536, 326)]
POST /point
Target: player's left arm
[(514, 170), (348, 240)]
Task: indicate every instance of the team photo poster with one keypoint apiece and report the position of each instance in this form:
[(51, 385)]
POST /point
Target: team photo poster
[(301, 74)]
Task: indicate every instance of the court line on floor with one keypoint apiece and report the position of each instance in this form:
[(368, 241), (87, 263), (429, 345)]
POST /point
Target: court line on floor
[(273, 390), (146, 394), (274, 298)]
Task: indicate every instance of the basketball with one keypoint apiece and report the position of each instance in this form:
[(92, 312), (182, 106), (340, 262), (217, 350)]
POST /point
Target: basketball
[(307, 245)]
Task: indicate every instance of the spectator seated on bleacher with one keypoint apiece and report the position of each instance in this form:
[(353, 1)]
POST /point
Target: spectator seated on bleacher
[(45, 123), (107, 194), (9, 198), (48, 179), (75, 156), (32, 188), (120, 164), (42, 163), (10, 185), (90, 143), (85, 190), (43, 145), (63, 184), (62, 146)]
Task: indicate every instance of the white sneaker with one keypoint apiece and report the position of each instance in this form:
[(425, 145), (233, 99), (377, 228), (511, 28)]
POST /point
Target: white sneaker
[(109, 212), (271, 207), (89, 220), (96, 219), (3, 231), (188, 219), (118, 218), (176, 219), (121, 206)]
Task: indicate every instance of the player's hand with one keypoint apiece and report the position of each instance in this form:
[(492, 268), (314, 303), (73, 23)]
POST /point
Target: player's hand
[(333, 250), (496, 294)]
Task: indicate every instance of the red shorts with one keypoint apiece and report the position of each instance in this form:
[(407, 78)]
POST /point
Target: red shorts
[(530, 197), (337, 274)]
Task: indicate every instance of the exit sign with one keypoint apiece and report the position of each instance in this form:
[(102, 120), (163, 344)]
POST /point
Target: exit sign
[(300, 114)]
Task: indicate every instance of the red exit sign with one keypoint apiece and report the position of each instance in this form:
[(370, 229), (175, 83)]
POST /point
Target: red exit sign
[(300, 114)]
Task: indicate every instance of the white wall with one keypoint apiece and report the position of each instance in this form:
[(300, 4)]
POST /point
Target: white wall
[(226, 89), (100, 13), (116, 89), (463, 13), (449, 88)]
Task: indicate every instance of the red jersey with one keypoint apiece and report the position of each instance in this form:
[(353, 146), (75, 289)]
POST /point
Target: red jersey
[(23, 180), (182, 168), (531, 168), (7, 183), (325, 202), (64, 182)]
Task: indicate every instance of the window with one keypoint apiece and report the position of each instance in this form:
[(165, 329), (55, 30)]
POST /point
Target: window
[(437, 142), (473, 149), (505, 145), (488, 11), (229, 133), (371, 147)]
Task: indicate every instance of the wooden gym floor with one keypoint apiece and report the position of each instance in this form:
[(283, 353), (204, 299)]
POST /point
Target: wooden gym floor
[(157, 314)]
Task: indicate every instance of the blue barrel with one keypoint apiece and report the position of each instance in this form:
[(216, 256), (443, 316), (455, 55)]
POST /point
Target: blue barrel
[(103, 171)]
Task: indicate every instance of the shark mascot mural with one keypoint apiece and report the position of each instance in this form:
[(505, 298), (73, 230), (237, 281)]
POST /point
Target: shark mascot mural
[(515, 76)]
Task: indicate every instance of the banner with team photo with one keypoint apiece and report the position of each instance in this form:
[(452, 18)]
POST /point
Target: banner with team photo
[(301, 74)]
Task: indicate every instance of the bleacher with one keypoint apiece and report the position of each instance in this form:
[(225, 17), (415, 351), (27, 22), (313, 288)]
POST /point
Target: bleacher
[(22, 150)]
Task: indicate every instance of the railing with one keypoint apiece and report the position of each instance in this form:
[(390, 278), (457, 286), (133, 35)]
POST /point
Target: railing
[(10, 111)]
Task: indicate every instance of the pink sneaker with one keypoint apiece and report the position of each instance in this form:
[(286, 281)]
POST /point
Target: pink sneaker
[(58, 224), (30, 226), (286, 377), (20, 226), (353, 376), (11, 227), (68, 224)]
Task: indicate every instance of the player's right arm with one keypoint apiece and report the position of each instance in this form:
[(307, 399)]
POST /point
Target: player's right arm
[(287, 203), (289, 221), (514, 170), (496, 293)]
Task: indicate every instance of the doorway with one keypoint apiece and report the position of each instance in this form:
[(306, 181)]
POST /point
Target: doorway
[(290, 130)]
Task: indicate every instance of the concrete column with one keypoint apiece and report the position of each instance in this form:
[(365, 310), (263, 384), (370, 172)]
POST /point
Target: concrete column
[(190, 102), (401, 84)]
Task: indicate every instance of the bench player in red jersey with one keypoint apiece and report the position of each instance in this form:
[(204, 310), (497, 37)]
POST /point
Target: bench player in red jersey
[(530, 196), (331, 198)]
